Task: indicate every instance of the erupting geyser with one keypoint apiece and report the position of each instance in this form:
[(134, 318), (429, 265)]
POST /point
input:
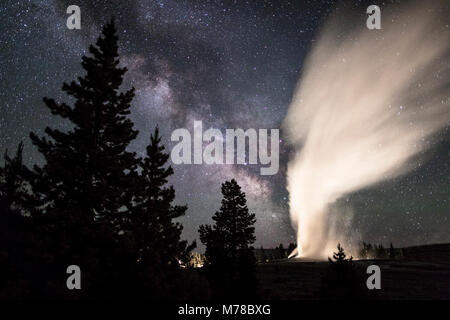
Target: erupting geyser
[(366, 102)]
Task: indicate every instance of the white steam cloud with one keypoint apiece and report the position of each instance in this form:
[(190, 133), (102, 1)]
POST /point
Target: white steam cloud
[(366, 102)]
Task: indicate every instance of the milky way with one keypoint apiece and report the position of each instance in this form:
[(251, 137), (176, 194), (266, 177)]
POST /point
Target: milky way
[(231, 64)]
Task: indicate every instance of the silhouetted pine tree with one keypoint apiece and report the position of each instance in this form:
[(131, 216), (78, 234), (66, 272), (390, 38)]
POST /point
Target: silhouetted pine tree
[(281, 251), (15, 193), (343, 279), (392, 253), (157, 200), (340, 256), (363, 252), (84, 187), (227, 242), (85, 174), (370, 251), (93, 203), (151, 222)]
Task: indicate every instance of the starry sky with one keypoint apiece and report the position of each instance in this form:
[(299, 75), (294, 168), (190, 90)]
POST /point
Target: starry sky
[(231, 64)]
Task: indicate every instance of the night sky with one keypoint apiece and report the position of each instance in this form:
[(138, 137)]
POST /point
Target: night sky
[(231, 64)]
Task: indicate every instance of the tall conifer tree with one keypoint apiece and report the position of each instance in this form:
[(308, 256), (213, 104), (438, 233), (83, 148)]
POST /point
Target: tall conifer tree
[(229, 257), (84, 186), (233, 222), (85, 174), (152, 221)]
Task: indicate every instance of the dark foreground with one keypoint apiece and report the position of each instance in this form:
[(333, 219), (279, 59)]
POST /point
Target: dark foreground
[(423, 273)]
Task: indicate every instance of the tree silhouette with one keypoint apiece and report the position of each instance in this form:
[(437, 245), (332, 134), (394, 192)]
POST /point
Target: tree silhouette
[(156, 235), (392, 253), (281, 251), (343, 278), (227, 242), (93, 203), (15, 196), (86, 168), (84, 186), (339, 257), (363, 250)]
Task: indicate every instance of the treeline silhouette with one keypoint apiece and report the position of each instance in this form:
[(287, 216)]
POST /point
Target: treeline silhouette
[(95, 204), (270, 254), (374, 251)]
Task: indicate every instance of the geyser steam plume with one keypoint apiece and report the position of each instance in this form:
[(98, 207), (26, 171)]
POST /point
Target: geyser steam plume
[(366, 102)]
